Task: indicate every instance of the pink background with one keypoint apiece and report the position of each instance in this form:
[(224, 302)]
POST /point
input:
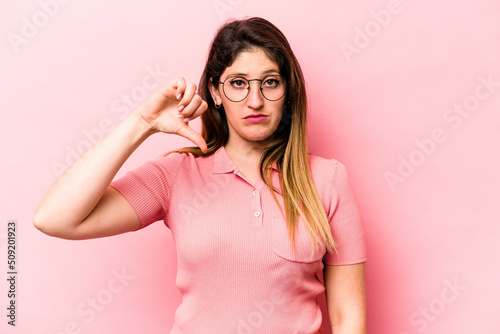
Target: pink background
[(385, 79)]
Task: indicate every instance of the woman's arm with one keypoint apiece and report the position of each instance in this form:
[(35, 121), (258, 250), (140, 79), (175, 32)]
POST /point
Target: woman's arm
[(346, 297), (81, 204)]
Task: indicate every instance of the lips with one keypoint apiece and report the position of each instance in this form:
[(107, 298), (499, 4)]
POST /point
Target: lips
[(255, 116)]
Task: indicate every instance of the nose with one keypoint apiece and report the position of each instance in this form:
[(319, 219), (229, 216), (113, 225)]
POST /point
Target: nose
[(255, 99)]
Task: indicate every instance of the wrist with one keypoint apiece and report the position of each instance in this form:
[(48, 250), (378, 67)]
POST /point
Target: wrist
[(144, 127)]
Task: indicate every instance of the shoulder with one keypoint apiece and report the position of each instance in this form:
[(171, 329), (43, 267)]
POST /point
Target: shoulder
[(326, 170), (330, 177), (181, 160)]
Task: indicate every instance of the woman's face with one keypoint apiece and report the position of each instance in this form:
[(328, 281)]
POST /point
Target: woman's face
[(254, 64)]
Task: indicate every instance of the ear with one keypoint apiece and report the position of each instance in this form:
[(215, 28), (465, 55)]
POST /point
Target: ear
[(214, 91)]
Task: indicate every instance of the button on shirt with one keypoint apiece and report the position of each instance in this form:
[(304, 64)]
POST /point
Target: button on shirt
[(236, 270)]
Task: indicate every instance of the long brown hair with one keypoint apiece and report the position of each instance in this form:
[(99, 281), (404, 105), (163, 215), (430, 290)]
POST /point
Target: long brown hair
[(287, 146)]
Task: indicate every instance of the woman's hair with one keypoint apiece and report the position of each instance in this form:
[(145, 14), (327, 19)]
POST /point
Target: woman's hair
[(287, 146)]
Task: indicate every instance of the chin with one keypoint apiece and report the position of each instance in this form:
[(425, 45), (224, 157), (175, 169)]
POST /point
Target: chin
[(260, 136), (257, 138)]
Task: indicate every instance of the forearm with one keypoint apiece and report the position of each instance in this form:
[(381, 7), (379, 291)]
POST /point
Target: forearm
[(346, 298), (353, 326), (74, 195)]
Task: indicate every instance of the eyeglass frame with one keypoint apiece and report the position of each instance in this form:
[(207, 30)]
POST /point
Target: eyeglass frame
[(248, 89)]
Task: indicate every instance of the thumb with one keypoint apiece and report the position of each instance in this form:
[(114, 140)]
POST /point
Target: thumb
[(193, 136)]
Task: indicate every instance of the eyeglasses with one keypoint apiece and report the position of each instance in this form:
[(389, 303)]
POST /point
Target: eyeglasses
[(236, 88)]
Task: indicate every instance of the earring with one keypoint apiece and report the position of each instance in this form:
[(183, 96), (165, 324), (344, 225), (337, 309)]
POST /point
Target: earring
[(217, 106)]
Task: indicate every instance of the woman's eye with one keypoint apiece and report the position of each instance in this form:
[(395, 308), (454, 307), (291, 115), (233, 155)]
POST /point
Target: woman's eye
[(238, 83), (271, 82)]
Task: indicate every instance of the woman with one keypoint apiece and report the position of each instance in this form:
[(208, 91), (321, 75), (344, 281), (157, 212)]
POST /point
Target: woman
[(254, 217)]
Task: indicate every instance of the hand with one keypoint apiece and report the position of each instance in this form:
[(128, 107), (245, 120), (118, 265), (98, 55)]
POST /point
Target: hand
[(176, 99)]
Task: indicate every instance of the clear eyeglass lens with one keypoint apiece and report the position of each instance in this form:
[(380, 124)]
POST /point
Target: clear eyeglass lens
[(237, 88)]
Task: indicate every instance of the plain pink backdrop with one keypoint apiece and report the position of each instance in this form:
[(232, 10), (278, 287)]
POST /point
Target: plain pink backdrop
[(386, 82)]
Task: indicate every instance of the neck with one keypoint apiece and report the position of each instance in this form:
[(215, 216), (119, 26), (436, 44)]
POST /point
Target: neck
[(242, 153), (246, 152)]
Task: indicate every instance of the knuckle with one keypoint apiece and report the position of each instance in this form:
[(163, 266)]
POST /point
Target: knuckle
[(181, 82)]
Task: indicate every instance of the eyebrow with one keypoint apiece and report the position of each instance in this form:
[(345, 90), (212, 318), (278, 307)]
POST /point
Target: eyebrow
[(241, 74)]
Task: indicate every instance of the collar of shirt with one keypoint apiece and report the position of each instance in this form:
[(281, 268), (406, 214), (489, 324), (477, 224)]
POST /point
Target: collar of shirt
[(224, 164)]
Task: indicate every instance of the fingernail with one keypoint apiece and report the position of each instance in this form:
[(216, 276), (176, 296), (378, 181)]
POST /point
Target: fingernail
[(180, 108), (180, 116), (185, 120), (179, 96)]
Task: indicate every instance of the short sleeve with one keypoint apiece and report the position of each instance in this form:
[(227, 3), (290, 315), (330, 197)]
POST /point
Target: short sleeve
[(345, 221), (148, 188)]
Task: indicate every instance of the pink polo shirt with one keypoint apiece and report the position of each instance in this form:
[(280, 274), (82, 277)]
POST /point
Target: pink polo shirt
[(236, 270)]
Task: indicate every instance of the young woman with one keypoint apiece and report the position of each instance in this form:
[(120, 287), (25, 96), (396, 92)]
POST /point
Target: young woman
[(255, 218)]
